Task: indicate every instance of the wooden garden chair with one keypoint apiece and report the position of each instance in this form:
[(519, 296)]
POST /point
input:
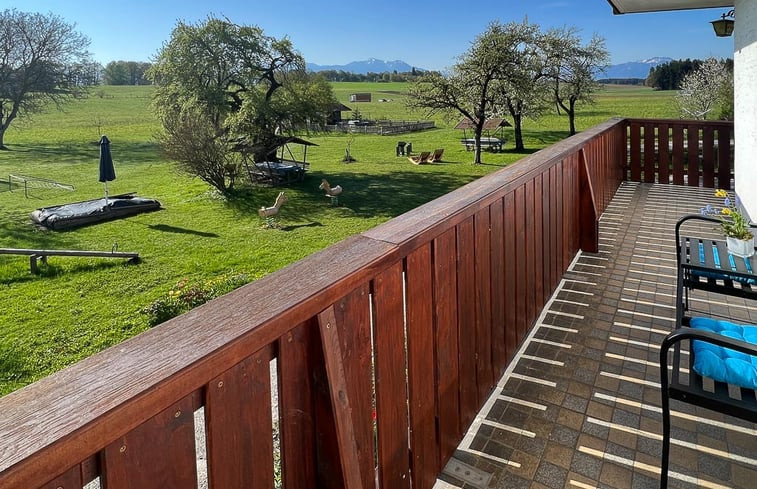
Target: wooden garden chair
[(421, 158), (437, 156)]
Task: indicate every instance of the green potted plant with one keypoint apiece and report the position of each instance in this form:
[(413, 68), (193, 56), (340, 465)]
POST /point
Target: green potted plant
[(734, 224)]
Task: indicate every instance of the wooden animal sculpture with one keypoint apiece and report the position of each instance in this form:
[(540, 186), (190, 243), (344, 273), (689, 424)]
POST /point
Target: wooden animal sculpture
[(330, 191), (272, 211)]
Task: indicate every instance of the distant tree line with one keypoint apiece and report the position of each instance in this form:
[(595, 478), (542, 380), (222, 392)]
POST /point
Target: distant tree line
[(126, 73), (668, 76), (622, 81), (386, 76)]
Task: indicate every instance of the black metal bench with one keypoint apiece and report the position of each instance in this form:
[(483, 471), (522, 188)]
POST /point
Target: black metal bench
[(35, 255)]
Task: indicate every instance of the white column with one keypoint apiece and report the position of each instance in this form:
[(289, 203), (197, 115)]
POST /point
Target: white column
[(745, 104)]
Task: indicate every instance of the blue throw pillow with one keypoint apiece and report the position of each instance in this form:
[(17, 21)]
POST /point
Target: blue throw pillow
[(725, 364)]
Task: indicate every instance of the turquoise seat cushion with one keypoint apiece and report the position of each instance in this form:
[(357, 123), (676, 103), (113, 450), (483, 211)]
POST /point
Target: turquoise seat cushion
[(724, 276), (725, 364)]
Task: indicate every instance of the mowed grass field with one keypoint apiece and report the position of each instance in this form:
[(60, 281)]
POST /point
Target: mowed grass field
[(78, 306)]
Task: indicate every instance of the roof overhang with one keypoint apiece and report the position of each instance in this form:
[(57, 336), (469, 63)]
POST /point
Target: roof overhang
[(634, 6)]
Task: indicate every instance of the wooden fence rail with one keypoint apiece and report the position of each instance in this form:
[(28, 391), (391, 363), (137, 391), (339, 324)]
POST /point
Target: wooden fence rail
[(385, 346), (661, 151)]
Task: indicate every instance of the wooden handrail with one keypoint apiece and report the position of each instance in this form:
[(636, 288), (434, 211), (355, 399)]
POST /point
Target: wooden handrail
[(459, 280)]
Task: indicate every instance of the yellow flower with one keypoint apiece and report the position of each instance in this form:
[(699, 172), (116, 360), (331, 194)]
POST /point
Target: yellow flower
[(726, 211), (721, 193)]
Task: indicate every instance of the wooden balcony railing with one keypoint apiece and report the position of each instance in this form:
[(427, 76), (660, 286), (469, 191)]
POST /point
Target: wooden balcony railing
[(385, 347), (661, 151)]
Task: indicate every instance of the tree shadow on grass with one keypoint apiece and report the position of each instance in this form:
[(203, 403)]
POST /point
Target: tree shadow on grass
[(173, 229), (365, 195), (137, 152)]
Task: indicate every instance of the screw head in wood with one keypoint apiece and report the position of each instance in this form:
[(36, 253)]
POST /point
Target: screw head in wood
[(177, 414)]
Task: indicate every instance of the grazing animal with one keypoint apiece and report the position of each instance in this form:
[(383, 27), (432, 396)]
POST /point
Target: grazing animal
[(272, 211), (330, 191)]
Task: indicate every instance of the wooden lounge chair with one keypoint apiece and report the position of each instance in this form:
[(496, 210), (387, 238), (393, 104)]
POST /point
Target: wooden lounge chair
[(437, 156), (421, 158)]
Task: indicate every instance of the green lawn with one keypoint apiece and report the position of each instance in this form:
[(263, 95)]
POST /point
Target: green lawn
[(78, 306)]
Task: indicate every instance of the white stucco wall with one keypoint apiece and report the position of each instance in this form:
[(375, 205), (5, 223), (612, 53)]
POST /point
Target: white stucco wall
[(745, 104)]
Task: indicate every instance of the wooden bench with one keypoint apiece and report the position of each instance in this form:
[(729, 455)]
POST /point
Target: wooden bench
[(35, 255)]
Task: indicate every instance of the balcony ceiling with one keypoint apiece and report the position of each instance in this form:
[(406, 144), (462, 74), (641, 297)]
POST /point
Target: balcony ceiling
[(633, 6)]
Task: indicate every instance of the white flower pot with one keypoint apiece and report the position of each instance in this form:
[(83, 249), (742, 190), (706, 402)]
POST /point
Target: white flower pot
[(740, 247)]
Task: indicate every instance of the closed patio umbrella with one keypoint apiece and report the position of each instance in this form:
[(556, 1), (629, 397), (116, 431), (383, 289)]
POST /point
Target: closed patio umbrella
[(107, 172)]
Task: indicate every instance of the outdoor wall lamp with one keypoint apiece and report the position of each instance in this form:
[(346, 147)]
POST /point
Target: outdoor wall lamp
[(724, 26)]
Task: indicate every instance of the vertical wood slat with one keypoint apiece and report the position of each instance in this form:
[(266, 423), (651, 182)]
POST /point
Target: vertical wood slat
[(693, 154), (445, 316), (724, 158), (297, 417), (545, 234), (466, 321), (239, 427), (649, 153), (678, 161), (347, 350), (341, 398), (663, 149), (554, 238), (391, 383), (538, 214), (635, 142), (530, 238), (497, 246), (71, 479), (157, 454), (708, 157), (511, 327), (420, 346), (521, 285), (482, 263)]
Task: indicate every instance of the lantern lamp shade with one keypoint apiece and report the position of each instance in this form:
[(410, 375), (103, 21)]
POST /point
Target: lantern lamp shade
[(723, 27)]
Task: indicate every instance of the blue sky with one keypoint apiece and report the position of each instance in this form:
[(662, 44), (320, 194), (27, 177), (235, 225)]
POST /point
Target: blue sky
[(427, 34)]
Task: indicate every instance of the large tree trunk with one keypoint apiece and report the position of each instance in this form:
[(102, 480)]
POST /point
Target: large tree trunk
[(2, 137), (518, 130), (572, 117), (477, 140)]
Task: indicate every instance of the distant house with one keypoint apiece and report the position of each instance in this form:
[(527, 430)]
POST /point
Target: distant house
[(335, 116), (360, 97)]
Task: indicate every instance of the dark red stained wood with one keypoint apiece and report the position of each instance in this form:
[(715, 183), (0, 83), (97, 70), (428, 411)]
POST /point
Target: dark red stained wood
[(521, 284), (708, 156), (546, 235), (559, 233), (499, 350), (663, 148), (391, 382), (157, 454), (296, 406), (649, 153), (725, 159), (239, 428), (420, 351), (555, 239), (589, 220), (635, 142), (353, 333), (530, 245), (342, 392), (511, 288), (693, 154), (678, 160), (71, 479), (448, 375), (484, 372), (466, 321), (539, 241)]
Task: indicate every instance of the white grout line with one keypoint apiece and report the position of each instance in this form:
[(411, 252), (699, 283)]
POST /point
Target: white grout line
[(523, 402), (675, 441), (635, 464), (543, 360), (633, 380), (553, 343), (659, 275), (558, 328), (678, 414), (573, 281), (656, 266), (643, 314), (646, 303), (641, 328), (572, 302), (581, 485), (632, 360), (492, 457), (566, 314), (593, 265), (535, 380), (511, 429), (641, 344)]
